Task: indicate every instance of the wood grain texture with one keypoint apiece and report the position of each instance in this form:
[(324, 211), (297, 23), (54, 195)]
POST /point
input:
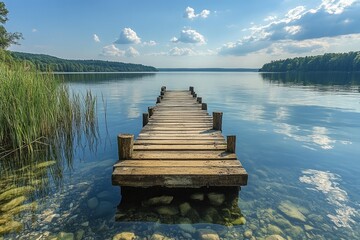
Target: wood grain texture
[(178, 147)]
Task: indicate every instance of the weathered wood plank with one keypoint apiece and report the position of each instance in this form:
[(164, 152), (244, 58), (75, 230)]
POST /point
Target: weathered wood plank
[(179, 142), (180, 147), (171, 155), (178, 163)]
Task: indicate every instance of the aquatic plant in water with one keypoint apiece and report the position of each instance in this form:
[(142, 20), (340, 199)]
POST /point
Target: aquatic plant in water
[(41, 125)]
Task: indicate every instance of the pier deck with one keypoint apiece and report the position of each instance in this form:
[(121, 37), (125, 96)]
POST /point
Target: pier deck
[(180, 145)]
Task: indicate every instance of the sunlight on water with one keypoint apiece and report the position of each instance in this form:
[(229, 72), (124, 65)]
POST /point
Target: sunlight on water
[(327, 183), (299, 142)]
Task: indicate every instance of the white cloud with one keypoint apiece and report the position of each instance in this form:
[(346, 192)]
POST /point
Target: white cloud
[(96, 38), (190, 13), (189, 36), (336, 6), (181, 52), (113, 51), (332, 18), (150, 43), (34, 30), (131, 52), (128, 36), (270, 18)]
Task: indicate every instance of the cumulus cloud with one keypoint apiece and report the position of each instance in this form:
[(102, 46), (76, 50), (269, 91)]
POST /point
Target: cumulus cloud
[(330, 19), (128, 36), (131, 52), (96, 38), (149, 43), (181, 52), (189, 36), (190, 13), (34, 30), (298, 47), (112, 51)]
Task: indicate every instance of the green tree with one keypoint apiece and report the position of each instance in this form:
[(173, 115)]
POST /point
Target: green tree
[(6, 38)]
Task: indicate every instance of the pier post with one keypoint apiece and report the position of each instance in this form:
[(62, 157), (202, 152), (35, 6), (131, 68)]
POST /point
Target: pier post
[(203, 106), (217, 121), (191, 89), (231, 143), (194, 95), (199, 99), (151, 111), (145, 118), (158, 100), (162, 93), (163, 88), (125, 146)]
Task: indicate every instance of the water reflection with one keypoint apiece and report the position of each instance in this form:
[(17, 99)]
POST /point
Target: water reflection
[(326, 183), (95, 78), (348, 81), (180, 206)]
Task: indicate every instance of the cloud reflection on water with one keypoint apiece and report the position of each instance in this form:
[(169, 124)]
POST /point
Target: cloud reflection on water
[(326, 183)]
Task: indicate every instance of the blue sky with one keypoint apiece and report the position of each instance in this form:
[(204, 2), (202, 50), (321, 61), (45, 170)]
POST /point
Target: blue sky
[(180, 33)]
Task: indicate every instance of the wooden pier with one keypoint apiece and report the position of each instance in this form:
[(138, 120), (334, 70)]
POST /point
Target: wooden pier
[(180, 145)]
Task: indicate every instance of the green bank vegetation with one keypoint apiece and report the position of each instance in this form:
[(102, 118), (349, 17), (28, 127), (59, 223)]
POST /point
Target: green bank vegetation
[(346, 62), (45, 63)]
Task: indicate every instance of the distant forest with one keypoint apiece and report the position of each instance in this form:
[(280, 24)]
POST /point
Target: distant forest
[(347, 62), (50, 63)]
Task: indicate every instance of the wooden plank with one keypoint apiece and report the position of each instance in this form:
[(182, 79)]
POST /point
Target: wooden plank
[(171, 155), (179, 177), (180, 147), (178, 163), (179, 141)]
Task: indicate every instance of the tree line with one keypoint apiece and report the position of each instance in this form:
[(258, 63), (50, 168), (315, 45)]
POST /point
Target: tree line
[(49, 63), (348, 62)]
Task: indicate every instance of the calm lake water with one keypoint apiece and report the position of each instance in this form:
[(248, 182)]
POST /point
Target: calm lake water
[(298, 137)]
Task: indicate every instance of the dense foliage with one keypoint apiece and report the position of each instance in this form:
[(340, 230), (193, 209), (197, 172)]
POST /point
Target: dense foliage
[(6, 38), (328, 62), (46, 63)]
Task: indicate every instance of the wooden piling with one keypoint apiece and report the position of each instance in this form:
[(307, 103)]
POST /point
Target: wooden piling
[(199, 99), (125, 146), (191, 89), (163, 88), (151, 111), (217, 121), (231, 143), (145, 118), (162, 93), (203, 106), (195, 95), (158, 100)]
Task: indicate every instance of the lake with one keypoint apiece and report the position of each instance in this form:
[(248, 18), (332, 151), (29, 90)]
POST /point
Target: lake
[(298, 137)]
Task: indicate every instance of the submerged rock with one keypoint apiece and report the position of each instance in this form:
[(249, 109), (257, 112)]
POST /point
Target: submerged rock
[(93, 203), (184, 208), (208, 234), (162, 200), (104, 195), (13, 203), (158, 236), (216, 199), (187, 228), (79, 234), (10, 226), (291, 210), (197, 196), (308, 227), (274, 237), (239, 221), (65, 236), (166, 210), (248, 234), (124, 236), (274, 229), (104, 208), (14, 192)]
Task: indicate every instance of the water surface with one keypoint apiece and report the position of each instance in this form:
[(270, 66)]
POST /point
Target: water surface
[(298, 138)]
